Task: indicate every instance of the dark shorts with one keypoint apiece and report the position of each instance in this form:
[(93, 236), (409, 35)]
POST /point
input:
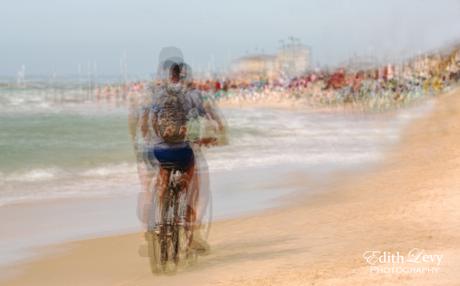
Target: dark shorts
[(178, 156)]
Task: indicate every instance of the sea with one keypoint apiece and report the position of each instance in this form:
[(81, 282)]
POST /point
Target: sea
[(55, 144)]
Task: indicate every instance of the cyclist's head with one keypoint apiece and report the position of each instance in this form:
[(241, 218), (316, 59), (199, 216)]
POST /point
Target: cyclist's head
[(175, 73), (167, 57)]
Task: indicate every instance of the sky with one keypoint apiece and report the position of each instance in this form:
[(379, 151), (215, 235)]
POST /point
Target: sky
[(71, 36)]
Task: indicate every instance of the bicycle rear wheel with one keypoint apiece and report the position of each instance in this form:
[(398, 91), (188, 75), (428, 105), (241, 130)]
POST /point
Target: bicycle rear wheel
[(161, 235)]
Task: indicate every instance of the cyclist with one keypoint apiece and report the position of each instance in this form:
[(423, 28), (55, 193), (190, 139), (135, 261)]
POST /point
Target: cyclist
[(169, 114), (174, 103), (199, 190)]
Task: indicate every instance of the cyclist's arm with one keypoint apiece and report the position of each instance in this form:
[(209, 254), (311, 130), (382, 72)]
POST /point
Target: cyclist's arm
[(212, 113), (206, 109)]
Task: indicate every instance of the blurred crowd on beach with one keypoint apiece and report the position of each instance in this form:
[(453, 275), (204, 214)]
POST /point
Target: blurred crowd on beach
[(380, 88)]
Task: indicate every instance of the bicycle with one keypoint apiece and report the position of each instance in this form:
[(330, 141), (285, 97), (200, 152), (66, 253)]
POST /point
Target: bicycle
[(169, 234)]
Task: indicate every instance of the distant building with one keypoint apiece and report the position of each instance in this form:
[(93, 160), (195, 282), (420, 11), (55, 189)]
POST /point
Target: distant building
[(255, 67), (291, 60), (294, 58)]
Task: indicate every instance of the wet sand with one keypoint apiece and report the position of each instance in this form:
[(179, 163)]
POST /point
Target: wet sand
[(412, 200)]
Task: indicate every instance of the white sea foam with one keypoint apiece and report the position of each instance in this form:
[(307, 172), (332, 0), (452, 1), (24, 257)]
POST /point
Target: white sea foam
[(336, 159), (110, 170), (261, 138), (69, 187), (55, 173), (35, 175)]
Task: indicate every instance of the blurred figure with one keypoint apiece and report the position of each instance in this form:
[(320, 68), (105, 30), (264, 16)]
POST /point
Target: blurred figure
[(170, 125), (205, 130)]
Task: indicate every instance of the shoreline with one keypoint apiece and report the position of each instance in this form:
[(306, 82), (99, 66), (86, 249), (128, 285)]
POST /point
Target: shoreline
[(408, 201), (303, 105)]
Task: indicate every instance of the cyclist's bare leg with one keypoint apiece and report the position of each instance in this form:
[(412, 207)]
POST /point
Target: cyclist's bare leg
[(192, 200), (188, 186), (162, 185)]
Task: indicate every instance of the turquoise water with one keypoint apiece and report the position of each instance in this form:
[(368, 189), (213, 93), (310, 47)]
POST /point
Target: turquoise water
[(63, 140)]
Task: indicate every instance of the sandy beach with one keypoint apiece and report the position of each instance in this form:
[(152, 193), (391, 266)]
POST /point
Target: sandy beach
[(410, 201)]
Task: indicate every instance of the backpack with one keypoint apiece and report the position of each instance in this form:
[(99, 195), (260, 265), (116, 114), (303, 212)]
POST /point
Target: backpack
[(171, 111)]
